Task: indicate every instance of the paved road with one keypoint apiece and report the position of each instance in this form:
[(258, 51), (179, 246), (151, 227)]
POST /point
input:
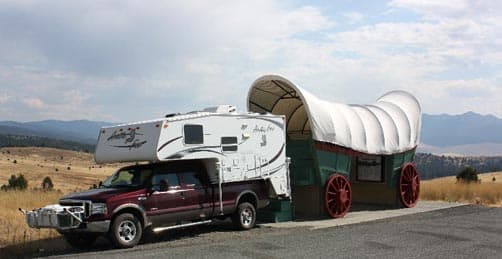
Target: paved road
[(461, 232)]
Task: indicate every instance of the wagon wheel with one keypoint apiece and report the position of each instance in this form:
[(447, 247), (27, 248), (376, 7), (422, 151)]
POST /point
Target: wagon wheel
[(338, 196), (409, 185)]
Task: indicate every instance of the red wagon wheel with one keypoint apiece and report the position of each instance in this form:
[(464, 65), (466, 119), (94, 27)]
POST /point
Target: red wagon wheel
[(338, 196), (409, 185)]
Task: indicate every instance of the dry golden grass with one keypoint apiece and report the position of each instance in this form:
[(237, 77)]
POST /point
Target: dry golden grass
[(68, 170), (14, 229), (35, 164), (447, 189)]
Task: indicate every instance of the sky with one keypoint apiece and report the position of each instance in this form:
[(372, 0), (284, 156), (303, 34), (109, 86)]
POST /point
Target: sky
[(129, 60)]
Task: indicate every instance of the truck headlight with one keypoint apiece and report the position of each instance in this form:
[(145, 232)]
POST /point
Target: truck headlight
[(99, 208)]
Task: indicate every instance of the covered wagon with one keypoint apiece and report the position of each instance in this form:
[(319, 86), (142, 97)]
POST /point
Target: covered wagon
[(343, 153)]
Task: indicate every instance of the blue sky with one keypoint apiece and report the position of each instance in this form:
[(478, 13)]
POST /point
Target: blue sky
[(134, 60)]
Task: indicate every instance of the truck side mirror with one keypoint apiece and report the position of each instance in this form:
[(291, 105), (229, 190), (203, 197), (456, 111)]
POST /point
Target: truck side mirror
[(163, 186)]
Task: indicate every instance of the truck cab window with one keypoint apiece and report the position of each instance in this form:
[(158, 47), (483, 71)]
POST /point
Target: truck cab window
[(128, 177), (161, 178), (193, 134), (191, 179)]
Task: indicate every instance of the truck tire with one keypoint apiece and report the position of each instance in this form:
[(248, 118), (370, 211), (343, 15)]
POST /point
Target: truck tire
[(126, 231), (80, 240), (245, 216)]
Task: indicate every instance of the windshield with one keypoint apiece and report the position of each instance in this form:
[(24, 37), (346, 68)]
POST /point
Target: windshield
[(129, 177)]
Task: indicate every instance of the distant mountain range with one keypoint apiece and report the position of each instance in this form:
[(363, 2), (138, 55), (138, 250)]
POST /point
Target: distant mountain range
[(468, 128), (82, 131), (464, 134)]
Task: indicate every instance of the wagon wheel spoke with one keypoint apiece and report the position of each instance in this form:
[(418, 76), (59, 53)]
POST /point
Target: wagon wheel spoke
[(332, 185)]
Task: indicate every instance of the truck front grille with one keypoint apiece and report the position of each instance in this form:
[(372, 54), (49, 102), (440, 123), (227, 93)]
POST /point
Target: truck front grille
[(78, 203)]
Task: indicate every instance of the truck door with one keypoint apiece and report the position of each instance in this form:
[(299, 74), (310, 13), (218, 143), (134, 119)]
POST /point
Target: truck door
[(197, 198), (165, 201)]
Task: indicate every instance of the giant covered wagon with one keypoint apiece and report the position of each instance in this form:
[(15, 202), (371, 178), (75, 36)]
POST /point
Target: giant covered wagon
[(342, 153)]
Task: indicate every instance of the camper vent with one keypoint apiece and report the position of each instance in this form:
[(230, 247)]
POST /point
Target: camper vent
[(221, 109)]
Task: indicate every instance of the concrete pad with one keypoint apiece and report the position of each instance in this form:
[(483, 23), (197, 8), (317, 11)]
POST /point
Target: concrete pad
[(362, 215)]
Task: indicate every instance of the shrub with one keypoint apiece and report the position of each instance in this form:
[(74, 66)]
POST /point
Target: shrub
[(22, 183), (468, 175), (19, 183), (47, 184), (12, 181)]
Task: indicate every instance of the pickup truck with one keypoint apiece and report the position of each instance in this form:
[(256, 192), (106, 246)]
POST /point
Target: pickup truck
[(150, 197)]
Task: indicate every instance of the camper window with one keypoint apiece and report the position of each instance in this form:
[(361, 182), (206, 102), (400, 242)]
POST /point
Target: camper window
[(229, 144), (193, 134)]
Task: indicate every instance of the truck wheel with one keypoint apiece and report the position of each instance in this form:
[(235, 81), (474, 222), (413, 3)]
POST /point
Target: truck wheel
[(80, 240), (245, 216), (126, 231)]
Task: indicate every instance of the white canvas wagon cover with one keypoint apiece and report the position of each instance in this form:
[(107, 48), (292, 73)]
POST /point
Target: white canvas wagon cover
[(390, 125)]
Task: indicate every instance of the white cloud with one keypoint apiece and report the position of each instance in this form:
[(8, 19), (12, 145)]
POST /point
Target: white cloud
[(127, 60), (4, 98), (353, 17), (34, 103)]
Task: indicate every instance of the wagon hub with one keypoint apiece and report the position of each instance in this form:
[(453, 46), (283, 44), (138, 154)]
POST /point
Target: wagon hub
[(342, 196), (414, 185)]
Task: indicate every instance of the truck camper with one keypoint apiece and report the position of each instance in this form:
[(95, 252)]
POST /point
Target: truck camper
[(202, 165)]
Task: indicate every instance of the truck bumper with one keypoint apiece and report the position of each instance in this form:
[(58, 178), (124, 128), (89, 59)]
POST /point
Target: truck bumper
[(64, 219), (91, 227)]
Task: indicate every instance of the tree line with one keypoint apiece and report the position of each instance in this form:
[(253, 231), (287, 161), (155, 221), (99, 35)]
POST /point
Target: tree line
[(433, 166), (35, 141)]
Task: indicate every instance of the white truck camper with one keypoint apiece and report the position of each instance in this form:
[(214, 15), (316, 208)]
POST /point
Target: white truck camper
[(234, 146)]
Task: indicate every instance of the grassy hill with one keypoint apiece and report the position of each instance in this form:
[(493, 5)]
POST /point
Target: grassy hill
[(69, 170)]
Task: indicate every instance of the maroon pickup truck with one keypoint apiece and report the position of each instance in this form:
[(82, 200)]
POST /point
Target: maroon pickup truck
[(151, 197)]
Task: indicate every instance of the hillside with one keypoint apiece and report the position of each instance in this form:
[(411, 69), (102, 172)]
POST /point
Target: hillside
[(69, 170), (433, 166)]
